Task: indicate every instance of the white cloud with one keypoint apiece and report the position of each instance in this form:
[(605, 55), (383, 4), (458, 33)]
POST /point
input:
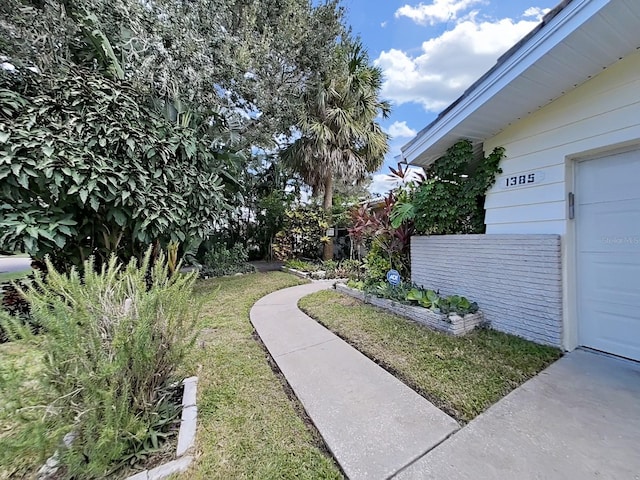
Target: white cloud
[(435, 12), (536, 12), (384, 24), (401, 130), (383, 182), (448, 64)]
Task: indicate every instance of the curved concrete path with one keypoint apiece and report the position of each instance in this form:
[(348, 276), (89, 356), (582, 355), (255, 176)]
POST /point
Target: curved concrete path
[(374, 425)]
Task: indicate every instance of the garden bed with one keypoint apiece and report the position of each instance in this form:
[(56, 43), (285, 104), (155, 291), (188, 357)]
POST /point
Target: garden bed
[(452, 323), (185, 441)]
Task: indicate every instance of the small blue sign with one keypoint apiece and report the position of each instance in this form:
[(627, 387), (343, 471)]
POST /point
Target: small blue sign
[(393, 277)]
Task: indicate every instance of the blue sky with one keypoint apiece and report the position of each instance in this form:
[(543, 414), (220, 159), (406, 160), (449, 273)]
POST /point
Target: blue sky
[(431, 51)]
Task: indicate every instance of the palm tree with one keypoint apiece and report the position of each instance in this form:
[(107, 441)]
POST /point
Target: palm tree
[(340, 137)]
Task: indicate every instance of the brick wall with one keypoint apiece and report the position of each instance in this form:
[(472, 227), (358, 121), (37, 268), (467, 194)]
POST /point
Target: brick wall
[(516, 279)]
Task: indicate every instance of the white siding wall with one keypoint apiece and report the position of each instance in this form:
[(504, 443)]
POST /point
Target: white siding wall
[(600, 114)]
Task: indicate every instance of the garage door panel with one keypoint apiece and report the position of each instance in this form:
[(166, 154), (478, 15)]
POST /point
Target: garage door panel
[(610, 226), (608, 251), (600, 184), (609, 279), (614, 333)]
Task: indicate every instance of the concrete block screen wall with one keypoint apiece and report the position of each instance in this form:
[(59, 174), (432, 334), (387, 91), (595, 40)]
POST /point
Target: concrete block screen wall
[(516, 279)]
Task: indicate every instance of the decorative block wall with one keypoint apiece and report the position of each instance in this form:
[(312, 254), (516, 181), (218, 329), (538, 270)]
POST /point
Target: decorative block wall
[(515, 279)]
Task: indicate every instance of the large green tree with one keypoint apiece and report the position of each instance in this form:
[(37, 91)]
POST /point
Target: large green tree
[(340, 138), (87, 168), (250, 55)]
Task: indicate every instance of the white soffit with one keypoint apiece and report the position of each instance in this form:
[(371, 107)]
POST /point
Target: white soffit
[(582, 39)]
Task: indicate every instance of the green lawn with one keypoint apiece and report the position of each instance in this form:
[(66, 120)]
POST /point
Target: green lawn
[(23, 440), (248, 428), (12, 276), (461, 375)]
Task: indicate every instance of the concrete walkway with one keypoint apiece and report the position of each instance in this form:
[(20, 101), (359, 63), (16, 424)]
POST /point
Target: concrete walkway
[(373, 424), (578, 419)]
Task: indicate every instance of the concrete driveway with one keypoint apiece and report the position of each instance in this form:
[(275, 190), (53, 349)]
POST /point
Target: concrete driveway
[(579, 419), (14, 264)]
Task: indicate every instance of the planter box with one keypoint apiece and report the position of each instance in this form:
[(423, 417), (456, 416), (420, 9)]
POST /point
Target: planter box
[(452, 323), (297, 273)]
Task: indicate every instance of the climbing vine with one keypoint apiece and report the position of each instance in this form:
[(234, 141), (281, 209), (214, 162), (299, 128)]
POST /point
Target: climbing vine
[(451, 199)]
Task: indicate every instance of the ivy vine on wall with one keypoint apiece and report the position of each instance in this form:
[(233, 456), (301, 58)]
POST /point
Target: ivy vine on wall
[(451, 199)]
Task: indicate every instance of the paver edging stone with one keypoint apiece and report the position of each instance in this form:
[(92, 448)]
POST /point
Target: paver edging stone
[(452, 324), (313, 276), (186, 439), (297, 273)]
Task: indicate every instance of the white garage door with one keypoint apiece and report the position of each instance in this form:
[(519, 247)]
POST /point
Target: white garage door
[(608, 241)]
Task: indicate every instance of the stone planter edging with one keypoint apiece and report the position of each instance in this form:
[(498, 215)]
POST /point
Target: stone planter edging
[(309, 276), (295, 272), (186, 437), (452, 324)]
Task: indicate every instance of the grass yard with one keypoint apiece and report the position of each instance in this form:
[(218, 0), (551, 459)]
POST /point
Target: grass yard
[(461, 375), (247, 426), (13, 276), (19, 363)]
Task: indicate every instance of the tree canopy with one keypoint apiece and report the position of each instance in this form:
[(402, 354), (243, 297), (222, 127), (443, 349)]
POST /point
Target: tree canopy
[(87, 168), (246, 55)]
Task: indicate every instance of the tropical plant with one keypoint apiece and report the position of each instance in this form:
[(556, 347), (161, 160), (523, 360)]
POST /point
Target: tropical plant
[(426, 298), (88, 169), (301, 265), (340, 137), (220, 260), (302, 235), (115, 339), (373, 229), (451, 304)]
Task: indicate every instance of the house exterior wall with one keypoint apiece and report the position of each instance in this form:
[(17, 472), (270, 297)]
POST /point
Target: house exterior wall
[(599, 116), (516, 279), (602, 113)]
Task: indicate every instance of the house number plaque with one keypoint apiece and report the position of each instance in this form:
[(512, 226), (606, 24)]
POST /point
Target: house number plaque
[(521, 180)]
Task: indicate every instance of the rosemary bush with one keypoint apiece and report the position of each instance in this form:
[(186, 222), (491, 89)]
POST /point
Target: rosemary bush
[(114, 341)]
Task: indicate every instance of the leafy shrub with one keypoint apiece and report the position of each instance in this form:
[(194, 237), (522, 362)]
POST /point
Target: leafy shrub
[(328, 269), (301, 265), (86, 168), (376, 265), (303, 234), (352, 269), (115, 338), (397, 293), (14, 303), (451, 304), (357, 284), (219, 261)]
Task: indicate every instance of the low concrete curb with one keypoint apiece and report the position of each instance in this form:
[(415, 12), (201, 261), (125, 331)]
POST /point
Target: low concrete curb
[(297, 273), (186, 437), (452, 324)]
